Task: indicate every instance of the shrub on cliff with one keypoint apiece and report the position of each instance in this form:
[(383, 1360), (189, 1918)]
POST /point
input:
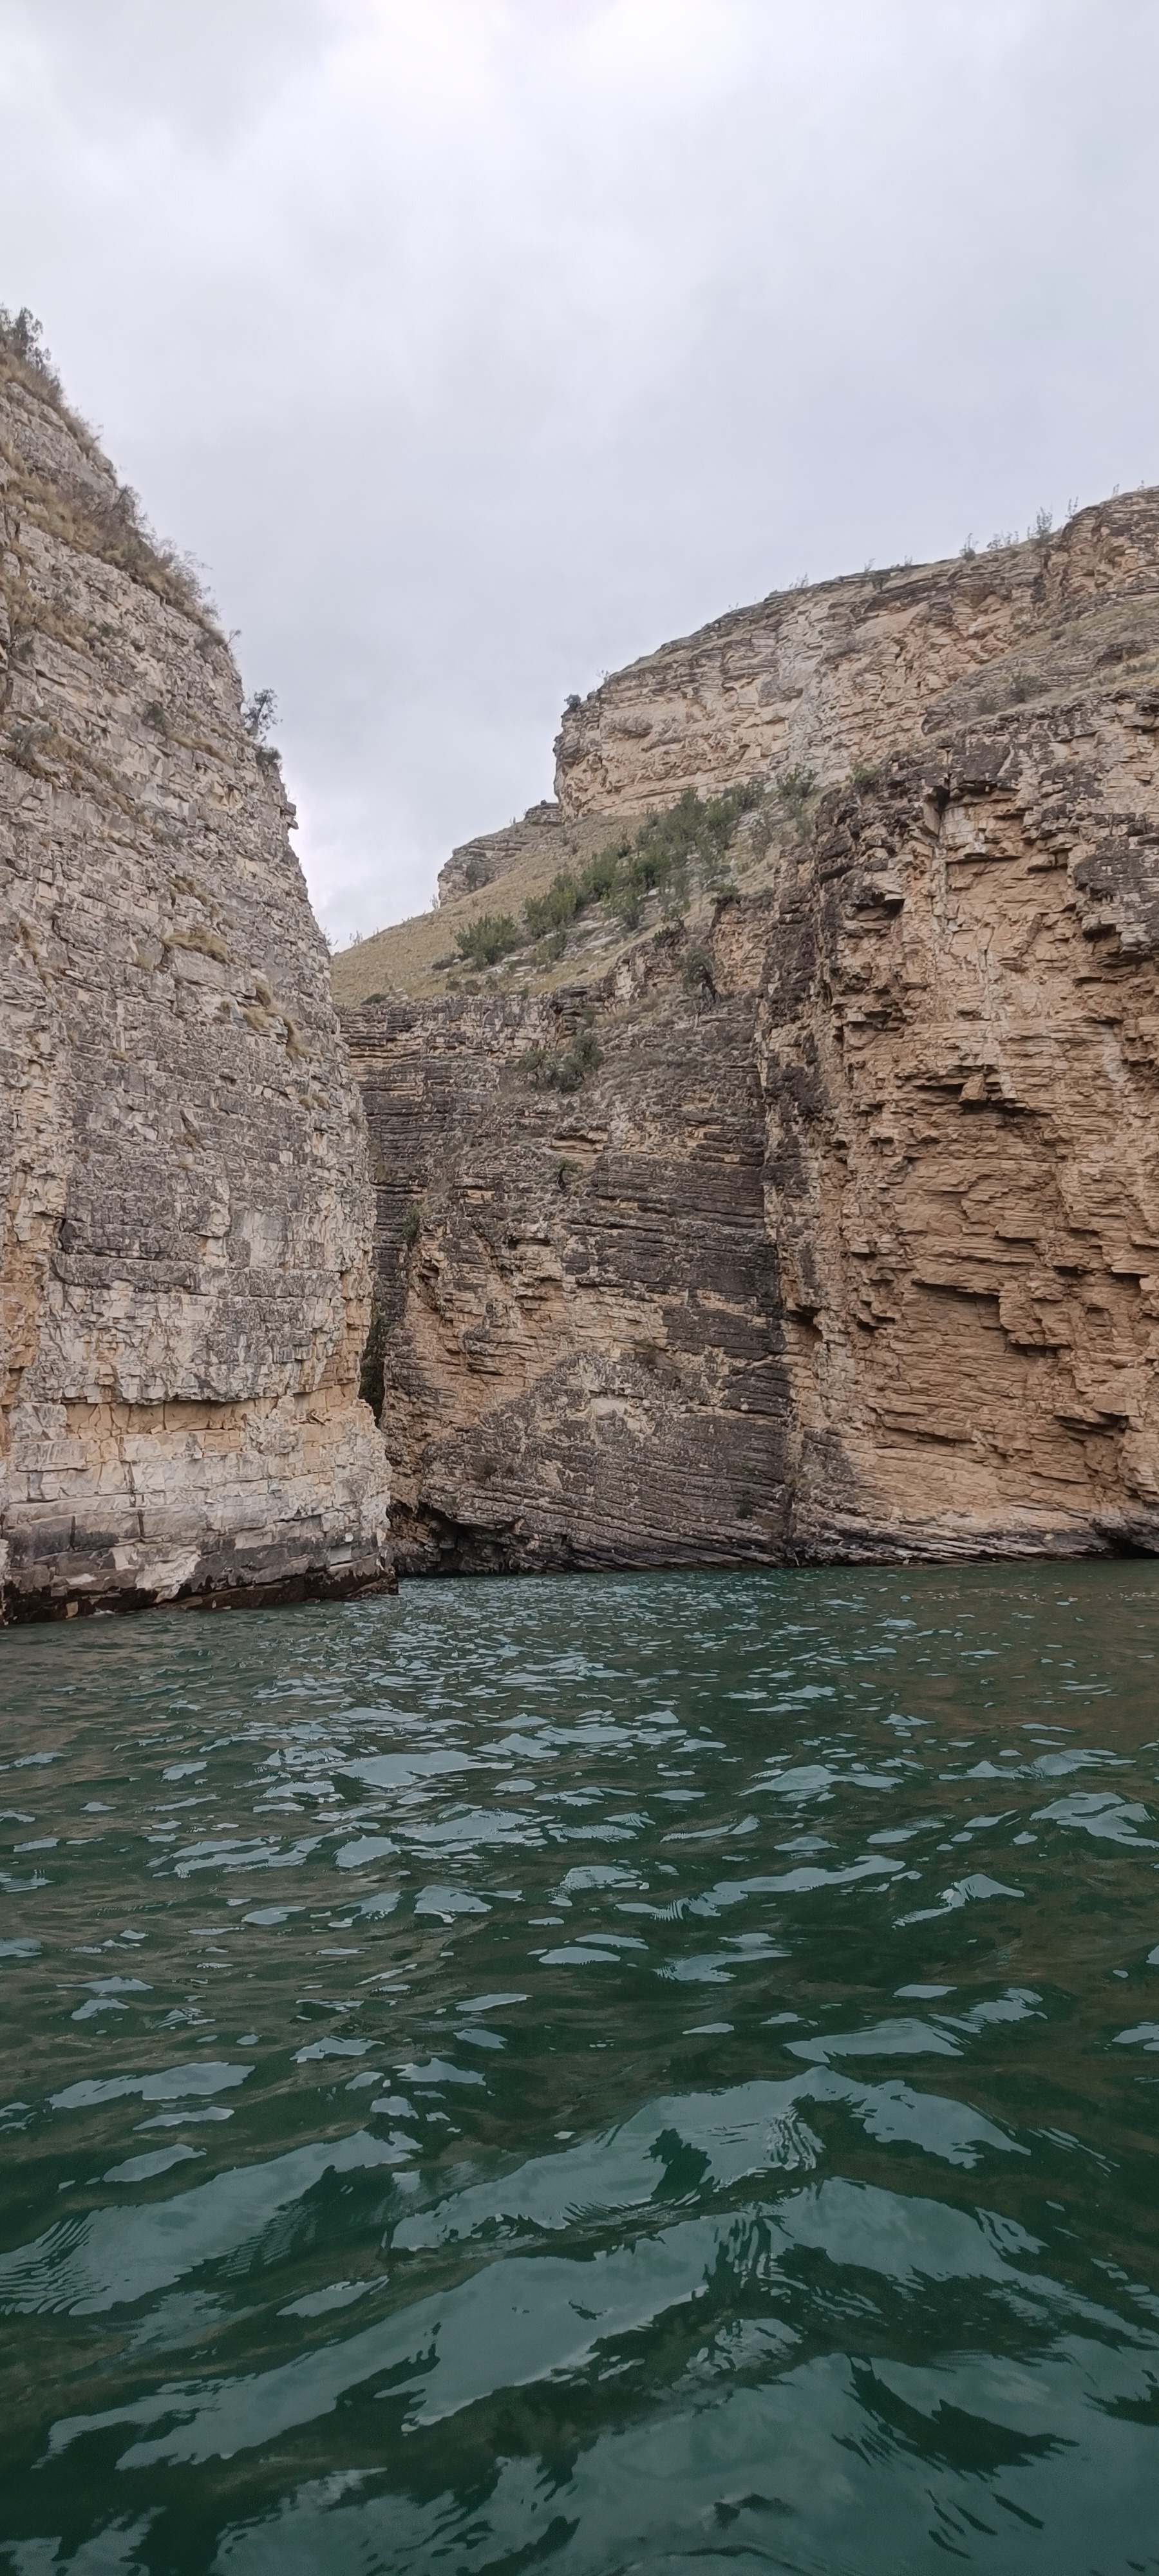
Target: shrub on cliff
[(22, 338), (259, 715), (794, 788), (557, 908), (486, 940), (698, 978), (108, 523), (655, 859), (585, 1055), (566, 1071)]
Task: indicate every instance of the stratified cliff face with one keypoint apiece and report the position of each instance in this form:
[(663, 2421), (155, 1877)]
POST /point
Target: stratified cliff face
[(959, 1049), (848, 672), (183, 1182), (584, 1344), (845, 1242)]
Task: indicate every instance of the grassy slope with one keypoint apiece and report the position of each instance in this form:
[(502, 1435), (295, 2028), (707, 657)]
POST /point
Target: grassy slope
[(403, 959), (1100, 645)]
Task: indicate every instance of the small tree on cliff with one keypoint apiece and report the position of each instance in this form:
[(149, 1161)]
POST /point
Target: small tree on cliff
[(259, 715)]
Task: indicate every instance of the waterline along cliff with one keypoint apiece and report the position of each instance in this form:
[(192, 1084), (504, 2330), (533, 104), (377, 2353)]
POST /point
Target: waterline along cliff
[(764, 1135), (184, 1191)]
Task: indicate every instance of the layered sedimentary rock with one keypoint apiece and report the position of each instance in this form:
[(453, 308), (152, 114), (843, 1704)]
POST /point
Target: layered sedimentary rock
[(845, 1240), (847, 672), (583, 1353), (184, 1191)]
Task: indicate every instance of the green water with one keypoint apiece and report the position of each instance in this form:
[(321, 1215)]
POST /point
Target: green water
[(584, 2076)]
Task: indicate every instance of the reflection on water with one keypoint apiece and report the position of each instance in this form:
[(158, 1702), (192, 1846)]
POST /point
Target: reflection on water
[(587, 2075)]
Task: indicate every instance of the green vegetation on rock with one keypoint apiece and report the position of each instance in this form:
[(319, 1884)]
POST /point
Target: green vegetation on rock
[(485, 941), (655, 859)]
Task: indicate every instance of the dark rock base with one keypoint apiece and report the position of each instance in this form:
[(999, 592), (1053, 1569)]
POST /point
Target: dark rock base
[(84, 1596)]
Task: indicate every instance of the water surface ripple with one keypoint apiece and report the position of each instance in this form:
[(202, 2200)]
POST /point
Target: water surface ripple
[(586, 2075)]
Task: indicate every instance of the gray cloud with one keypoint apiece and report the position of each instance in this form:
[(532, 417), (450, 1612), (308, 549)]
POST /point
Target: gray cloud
[(477, 345)]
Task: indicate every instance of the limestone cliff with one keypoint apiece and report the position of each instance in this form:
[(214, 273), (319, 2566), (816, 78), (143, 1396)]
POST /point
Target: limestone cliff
[(184, 1194), (845, 673), (820, 1217)]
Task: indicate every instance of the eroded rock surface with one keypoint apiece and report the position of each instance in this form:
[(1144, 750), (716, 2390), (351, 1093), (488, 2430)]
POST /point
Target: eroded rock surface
[(183, 1180), (846, 1241)]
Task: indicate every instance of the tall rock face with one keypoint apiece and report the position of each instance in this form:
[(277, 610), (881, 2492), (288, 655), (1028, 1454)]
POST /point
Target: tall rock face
[(821, 1222), (184, 1192)]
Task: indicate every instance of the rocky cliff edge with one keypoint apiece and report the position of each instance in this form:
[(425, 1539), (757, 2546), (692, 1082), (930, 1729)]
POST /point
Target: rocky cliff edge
[(184, 1193)]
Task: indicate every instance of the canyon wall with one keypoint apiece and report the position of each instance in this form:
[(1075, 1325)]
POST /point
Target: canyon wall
[(184, 1193), (820, 1219)]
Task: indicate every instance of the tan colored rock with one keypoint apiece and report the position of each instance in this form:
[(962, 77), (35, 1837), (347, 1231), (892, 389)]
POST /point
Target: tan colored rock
[(850, 671), (846, 1243), (582, 1358), (183, 1184), (963, 1170)]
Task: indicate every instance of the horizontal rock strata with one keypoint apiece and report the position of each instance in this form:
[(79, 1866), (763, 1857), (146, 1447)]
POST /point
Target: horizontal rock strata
[(583, 1345), (845, 1242), (850, 671), (183, 1180)]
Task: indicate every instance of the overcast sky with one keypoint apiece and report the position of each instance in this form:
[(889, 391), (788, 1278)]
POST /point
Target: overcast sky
[(476, 346)]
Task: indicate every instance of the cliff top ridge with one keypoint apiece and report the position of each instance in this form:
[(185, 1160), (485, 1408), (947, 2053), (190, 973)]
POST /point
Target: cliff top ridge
[(60, 478), (785, 698)]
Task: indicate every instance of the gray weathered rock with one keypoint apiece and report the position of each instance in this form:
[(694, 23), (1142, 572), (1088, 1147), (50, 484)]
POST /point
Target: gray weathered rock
[(183, 1184)]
